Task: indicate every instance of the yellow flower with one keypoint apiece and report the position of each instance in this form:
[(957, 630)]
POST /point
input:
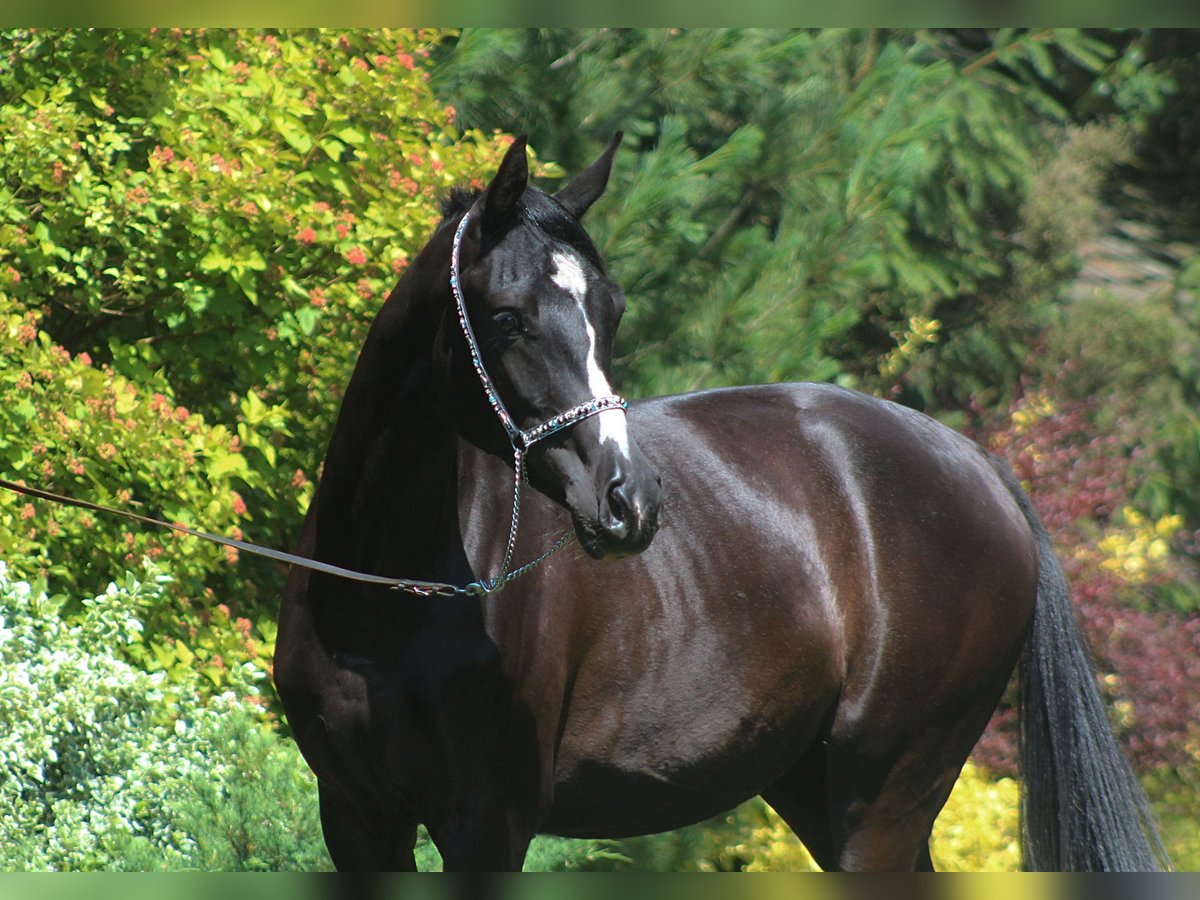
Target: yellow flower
[(977, 829), (1035, 407), (1168, 526), (920, 331), (1136, 549)]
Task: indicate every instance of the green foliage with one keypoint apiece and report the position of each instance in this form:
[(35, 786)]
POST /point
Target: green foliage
[(547, 853), (80, 428), (1176, 792), (1144, 358), (196, 228), (77, 428), (224, 212), (249, 804), (790, 201), (1062, 208), (105, 766)]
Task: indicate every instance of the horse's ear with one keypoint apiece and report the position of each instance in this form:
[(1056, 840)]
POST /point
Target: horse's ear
[(588, 185), (509, 183)]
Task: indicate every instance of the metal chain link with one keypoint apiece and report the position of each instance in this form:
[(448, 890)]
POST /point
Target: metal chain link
[(497, 582)]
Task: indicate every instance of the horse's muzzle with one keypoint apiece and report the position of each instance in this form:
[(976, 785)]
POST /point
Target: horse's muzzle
[(627, 516)]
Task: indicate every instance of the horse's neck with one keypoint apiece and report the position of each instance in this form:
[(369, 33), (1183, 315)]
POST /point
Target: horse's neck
[(398, 479), (390, 465)]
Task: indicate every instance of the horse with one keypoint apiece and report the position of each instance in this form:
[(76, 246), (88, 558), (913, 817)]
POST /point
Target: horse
[(789, 590)]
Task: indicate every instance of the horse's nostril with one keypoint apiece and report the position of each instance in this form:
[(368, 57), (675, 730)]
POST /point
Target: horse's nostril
[(618, 508)]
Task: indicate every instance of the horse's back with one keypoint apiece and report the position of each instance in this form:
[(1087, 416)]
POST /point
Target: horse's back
[(909, 522)]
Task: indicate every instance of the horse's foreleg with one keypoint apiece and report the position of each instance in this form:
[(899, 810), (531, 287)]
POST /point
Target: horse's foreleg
[(482, 836), (799, 798), (360, 842)]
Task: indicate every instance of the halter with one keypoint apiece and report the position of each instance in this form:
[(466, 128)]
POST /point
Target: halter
[(521, 440)]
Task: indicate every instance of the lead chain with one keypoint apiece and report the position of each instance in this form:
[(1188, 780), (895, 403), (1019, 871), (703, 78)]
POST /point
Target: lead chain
[(497, 582)]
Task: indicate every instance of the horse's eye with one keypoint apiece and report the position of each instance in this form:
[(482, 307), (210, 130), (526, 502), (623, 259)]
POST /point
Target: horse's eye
[(508, 322)]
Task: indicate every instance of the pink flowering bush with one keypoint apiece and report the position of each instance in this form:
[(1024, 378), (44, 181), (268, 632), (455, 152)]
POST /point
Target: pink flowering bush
[(78, 428), (196, 228), (220, 214)]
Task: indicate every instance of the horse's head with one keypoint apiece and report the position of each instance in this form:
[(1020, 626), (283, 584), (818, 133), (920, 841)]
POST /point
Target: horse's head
[(543, 312)]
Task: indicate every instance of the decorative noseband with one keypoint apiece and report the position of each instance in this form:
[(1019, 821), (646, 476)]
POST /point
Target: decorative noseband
[(521, 440)]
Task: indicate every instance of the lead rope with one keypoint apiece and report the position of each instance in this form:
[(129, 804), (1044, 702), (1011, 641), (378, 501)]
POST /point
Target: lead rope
[(521, 442), (422, 588)]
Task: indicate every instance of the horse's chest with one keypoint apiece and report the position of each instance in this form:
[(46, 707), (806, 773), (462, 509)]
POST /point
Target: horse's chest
[(391, 726)]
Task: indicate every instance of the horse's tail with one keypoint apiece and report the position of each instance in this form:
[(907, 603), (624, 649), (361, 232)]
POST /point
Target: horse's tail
[(1082, 808)]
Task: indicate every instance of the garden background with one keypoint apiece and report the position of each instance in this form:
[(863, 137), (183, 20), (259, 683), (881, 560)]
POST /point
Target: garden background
[(998, 227)]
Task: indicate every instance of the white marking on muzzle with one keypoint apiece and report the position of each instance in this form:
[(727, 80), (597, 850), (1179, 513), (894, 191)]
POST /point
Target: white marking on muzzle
[(568, 275)]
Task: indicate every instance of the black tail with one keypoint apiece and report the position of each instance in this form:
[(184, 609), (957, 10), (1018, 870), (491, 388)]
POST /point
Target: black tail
[(1082, 808)]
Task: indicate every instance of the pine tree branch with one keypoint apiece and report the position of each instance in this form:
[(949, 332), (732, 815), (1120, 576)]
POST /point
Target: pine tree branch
[(869, 58), (731, 221), (992, 55), (568, 58)]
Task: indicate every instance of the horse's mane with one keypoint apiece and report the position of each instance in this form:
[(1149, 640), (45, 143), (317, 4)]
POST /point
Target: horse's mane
[(536, 208), (458, 200)]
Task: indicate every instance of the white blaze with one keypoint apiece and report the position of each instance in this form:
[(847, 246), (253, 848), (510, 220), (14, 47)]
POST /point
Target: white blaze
[(568, 275)]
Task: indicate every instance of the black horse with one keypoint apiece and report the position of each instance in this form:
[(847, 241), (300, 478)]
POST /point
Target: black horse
[(836, 597)]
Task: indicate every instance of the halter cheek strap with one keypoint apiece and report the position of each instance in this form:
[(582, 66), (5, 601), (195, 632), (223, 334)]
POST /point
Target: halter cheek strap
[(521, 442)]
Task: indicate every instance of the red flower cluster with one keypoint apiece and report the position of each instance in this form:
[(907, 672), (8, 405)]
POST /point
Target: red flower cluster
[(1077, 480)]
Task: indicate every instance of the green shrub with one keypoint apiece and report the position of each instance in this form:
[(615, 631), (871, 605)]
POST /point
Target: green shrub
[(250, 805), (104, 766), (217, 216), (547, 853), (1175, 791), (78, 428), (71, 426), (196, 228), (1142, 358)]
